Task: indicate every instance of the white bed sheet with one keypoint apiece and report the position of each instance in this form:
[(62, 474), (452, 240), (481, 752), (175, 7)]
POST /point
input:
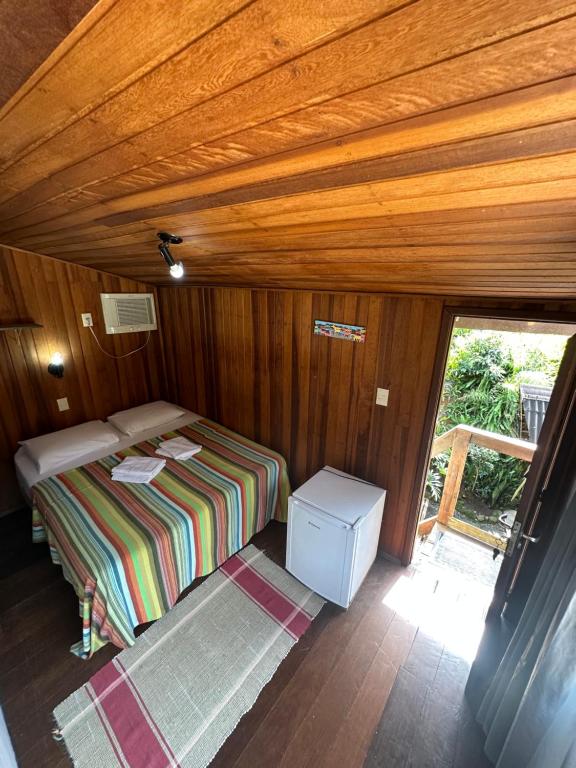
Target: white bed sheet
[(27, 472)]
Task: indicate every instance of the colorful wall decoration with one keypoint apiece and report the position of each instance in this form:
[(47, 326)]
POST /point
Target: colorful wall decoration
[(340, 330)]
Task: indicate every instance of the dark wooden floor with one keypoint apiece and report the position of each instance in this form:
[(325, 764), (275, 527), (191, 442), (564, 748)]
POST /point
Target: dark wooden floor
[(16, 549), (371, 683)]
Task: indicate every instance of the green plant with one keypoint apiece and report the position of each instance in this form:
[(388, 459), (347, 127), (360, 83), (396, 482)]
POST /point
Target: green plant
[(493, 477), (538, 378), (482, 390), (477, 389), (538, 362), (436, 476)]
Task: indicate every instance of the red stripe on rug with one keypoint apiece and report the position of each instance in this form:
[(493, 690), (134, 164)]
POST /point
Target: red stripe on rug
[(105, 725), (138, 742), (294, 620), (275, 588), (144, 708)]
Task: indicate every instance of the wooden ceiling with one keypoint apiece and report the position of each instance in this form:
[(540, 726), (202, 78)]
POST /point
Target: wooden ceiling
[(29, 32), (423, 146)]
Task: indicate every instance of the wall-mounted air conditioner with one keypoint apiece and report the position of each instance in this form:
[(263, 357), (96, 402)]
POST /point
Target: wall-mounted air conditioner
[(128, 312)]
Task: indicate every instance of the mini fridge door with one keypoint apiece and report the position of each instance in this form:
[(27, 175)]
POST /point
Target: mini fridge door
[(343, 496), (319, 549)]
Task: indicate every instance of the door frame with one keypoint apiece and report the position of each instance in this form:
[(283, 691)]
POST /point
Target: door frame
[(449, 315)]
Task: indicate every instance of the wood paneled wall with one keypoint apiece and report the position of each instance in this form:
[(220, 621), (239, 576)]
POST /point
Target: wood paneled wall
[(41, 289), (248, 359)]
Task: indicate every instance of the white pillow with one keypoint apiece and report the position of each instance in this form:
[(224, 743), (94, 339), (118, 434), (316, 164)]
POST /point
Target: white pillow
[(145, 417), (50, 451)]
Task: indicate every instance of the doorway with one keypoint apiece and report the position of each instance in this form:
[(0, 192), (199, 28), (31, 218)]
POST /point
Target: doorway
[(496, 387)]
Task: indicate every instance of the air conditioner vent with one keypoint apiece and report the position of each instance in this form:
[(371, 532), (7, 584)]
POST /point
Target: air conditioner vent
[(128, 312)]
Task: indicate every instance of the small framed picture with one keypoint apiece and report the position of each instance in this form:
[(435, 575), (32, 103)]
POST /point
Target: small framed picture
[(340, 331)]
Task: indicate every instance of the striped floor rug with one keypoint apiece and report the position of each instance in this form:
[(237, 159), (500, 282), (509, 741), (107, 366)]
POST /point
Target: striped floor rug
[(174, 697)]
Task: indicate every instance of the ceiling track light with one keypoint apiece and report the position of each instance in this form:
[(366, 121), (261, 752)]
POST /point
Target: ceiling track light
[(176, 267), (177, 270)]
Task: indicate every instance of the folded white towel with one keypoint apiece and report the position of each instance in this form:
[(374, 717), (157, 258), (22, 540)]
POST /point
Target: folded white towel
[(178, 448), (139, 464), (134, 477), (137, 469)]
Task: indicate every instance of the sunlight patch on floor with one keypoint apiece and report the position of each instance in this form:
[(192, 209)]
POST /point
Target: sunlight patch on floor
[(444, 603)]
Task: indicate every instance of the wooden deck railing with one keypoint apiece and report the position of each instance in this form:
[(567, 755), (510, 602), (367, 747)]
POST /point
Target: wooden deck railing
[(458, 439)]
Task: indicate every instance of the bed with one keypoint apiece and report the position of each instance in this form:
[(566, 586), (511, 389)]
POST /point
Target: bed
[(130, 550), (28, 474)]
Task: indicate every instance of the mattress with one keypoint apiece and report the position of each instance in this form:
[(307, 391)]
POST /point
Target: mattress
[(130, 550), (28, 474)]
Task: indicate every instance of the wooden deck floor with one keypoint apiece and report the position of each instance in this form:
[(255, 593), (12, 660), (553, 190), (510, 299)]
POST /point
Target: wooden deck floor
[(381, 683)]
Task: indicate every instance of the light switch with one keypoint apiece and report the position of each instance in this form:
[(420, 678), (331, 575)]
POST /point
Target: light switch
[(381, 396), (86, 319), (62, 403)]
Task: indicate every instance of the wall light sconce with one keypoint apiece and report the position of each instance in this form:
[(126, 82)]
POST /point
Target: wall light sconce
[(56, 365)]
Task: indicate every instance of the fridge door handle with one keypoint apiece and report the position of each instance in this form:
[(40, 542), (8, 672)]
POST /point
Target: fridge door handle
[(322, 516)]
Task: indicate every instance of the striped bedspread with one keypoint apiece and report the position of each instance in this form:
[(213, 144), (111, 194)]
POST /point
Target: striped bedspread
[(130, 550)]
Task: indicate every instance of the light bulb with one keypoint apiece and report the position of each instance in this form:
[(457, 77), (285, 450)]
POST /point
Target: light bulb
[(56, 365), (177, 270)]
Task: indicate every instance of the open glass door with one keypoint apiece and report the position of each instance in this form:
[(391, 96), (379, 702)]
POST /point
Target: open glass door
[(511, 588)]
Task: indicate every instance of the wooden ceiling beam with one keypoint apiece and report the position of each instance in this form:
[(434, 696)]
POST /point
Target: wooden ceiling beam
[(208, 67), (527, 143), (397, 44), (497, 184), (372, 145), (546, 215), (369, 155), (94, 63)]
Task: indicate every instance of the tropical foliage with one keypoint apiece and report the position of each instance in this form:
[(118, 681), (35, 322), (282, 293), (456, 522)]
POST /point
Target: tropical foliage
[(482, 389)]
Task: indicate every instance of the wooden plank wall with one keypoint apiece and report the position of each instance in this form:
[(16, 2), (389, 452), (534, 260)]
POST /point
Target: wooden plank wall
[(54, 294), (248, 359)]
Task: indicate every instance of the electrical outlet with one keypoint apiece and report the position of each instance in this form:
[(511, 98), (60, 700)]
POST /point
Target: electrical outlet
[(87, 319), (62, 404), (381, 396)]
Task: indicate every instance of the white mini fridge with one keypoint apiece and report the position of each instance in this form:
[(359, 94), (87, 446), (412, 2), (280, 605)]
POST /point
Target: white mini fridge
[(334, 524)]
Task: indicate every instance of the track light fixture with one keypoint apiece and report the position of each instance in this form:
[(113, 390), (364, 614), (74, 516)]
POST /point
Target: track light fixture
[(166, 240), (177, 270)]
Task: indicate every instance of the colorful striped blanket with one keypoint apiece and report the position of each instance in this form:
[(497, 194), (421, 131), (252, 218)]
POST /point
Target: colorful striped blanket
[(130, 550)]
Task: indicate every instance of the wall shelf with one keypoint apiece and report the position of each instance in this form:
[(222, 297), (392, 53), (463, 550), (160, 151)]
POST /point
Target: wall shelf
[(16, 326)]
